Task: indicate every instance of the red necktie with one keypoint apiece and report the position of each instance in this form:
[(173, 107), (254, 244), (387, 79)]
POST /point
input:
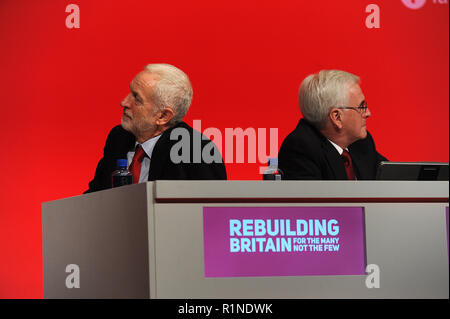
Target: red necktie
[(135, 166), (348, 165)]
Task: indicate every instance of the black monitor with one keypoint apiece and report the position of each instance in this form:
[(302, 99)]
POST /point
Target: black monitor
[(404, 171)]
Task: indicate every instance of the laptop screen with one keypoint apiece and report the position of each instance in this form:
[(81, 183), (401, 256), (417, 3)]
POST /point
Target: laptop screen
[(419, 171)]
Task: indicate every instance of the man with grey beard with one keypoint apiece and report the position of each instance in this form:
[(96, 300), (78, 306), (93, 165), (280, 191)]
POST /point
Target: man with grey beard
[(159, 98)]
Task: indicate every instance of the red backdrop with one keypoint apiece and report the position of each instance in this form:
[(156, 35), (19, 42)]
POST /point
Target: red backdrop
[(61, 88)]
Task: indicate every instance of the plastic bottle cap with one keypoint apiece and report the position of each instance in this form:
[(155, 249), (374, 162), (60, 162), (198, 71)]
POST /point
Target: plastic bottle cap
[(273, 161), (122, 163)]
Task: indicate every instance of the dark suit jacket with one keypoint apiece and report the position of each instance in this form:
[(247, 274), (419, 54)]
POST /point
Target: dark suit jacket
[(308, 155), (120, 142)]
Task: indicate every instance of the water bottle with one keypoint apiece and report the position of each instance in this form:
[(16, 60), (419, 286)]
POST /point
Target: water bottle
[(122, 175), (272, 173)]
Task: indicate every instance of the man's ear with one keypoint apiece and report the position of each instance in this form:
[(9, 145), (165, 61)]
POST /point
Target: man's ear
[(165, 115), (335, 116)]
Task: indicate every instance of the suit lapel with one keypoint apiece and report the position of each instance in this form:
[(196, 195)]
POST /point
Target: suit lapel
[(160, 155), (335, 163), (126, 144), (358, 164), (156, 162), (334, 160)]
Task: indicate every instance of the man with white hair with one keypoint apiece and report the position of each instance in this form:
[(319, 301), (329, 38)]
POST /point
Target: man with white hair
[(331, 142), (159, 98)]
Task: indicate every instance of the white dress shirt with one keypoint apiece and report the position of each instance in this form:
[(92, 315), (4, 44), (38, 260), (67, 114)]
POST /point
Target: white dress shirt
[(148, 147), (338, 148)]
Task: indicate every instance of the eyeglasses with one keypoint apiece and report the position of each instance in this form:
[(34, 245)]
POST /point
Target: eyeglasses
[(362, 108)]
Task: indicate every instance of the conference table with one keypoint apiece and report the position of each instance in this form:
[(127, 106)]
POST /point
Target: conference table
[(250, 239)]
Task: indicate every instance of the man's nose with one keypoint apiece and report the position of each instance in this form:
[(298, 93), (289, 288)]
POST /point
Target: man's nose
[(367, 113), (126, 101)]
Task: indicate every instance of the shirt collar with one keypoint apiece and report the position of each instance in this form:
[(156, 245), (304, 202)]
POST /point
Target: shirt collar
[(149, 145), (338, 148)]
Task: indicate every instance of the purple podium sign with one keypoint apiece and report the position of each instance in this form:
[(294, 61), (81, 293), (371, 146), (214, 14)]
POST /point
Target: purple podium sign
[(446, 217), (283, 241)]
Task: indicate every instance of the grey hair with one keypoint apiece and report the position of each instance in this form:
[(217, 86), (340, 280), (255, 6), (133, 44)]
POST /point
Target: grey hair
[(173, 90), (320, 92)]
